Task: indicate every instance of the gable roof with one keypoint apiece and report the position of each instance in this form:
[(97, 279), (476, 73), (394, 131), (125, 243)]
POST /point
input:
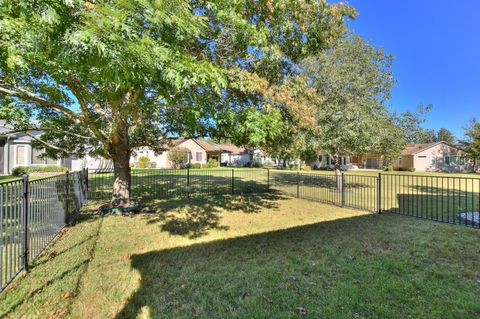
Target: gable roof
[(413, 149), (206, 146), (230, 148)]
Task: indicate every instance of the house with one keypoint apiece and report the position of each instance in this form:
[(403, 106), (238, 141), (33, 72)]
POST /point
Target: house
[(200, 152), (368, 161), (16, 150), (233, 155), (325, 161), (433, 157)]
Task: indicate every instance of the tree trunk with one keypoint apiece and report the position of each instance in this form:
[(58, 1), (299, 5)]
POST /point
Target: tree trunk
[(121, 184)]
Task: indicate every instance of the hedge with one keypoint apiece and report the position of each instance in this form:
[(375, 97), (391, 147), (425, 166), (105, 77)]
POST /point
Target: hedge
[(19, 170)]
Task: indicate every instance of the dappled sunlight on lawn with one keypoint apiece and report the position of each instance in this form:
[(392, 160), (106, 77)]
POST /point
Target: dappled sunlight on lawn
[(251, 256)]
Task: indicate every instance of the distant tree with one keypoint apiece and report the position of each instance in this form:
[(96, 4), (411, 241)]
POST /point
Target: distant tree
[(471, 143), (354, 79), (178, 156), (393, 140), (411, 123), (445, 135)]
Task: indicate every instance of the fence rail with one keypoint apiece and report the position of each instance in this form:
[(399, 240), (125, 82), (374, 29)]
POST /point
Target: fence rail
[(32, 213)]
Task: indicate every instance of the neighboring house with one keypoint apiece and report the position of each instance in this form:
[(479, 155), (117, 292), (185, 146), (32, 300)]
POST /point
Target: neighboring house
[(16, 150), (324, 161), (433, 157), (368, 161), (157, 160), (200, 152), (233, 155)]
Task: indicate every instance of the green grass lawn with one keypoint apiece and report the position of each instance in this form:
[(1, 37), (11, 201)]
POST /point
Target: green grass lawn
[(266, 256)]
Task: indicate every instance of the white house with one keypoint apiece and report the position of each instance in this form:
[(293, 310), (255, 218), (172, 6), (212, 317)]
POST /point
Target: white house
[(325, 161)]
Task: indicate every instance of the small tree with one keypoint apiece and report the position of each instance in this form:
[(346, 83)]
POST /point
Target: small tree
[(471, 143), (178, 156), (143, 162)]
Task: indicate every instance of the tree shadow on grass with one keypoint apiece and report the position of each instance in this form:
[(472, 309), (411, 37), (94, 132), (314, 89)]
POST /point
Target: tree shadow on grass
[(194, 217), (332, 269)]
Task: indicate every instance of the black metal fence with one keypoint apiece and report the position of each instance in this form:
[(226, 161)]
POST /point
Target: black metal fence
[(32, 213), (447, 199), (148, 184)]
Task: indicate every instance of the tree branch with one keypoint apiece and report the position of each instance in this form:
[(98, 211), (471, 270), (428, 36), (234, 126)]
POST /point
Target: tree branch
[(39, 129), (32, 97), (46, 143), (73, 85)]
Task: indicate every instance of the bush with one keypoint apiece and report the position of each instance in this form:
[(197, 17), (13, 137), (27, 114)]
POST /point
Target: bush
[(19, 170), (412, 169), (195, 166), (307, 168), (143, 162), (388, 168), (212, 163), (293, 167), (204, 165)]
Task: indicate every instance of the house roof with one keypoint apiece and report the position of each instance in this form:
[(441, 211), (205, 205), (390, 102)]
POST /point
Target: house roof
[(207, 146), (413, 149), (230, 148)]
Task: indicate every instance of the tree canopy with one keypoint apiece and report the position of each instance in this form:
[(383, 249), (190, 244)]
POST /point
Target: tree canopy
[(104, 77), (354, 80), (471, 143)]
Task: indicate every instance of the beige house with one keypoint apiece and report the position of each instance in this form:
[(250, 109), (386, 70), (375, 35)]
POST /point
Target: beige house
[(433, 157)]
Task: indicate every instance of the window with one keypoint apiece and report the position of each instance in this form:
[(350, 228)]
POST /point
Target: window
[(20, 155), (454, 160), (36, 159), (344, 160), (198, 156), (329, 160), (422, 157), (320, 158), (434, 160)]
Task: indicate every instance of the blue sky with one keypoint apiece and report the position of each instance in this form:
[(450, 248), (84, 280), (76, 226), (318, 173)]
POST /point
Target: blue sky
[(436, 45)]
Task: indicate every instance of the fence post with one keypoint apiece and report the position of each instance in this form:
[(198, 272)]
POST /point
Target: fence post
[(86, 183), (67, 198), (188, 182), (25, 192), (343, 189), (233, 181), (268, 180), (298, 184), (379, 193)]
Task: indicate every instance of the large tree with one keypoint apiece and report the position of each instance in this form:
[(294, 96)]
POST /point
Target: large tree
[(354, 80), (104, 77)]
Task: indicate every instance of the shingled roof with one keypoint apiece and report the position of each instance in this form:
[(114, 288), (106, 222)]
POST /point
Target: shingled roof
[(413, 149), (233, 149)]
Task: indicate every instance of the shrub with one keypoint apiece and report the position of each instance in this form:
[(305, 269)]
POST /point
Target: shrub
[(307, 168), (178, 156), (388, 168), (195, 166), (412, 169), (204, 165), (19, 170), (143, 162), (293, 167), (212, 162)]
